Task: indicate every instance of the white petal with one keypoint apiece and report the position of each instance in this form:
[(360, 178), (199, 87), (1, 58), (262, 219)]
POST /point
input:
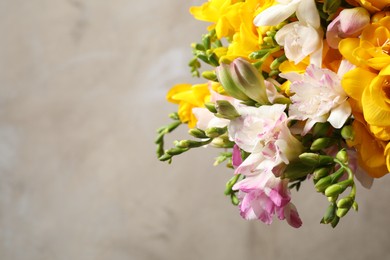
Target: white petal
[(339, 115), (274, 15), (345, 66), (307, 13)]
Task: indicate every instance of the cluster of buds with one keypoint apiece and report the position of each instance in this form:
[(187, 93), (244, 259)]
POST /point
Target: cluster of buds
[(332, 176)]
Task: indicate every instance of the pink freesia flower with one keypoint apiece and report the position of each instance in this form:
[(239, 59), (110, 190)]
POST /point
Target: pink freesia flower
[(264, 195), (349, 23), (206, 119), (264, 133), (318, 97), (236, 156)]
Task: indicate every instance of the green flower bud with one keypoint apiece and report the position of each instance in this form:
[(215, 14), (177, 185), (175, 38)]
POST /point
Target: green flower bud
[(224, 76), (341, 212), (259, 54), (222, 142), (226, 110), (335, 221), (330, 213), (321, 143), (165, 157), (321, 129), (210, 75), (198, 133), (296, 170), (211, 107), (214, 132), (320, 173), (346, 202), (325, 182), (342, 156), (276, 63), (230, 184), (347, 132), (235, 200), (176, 151), (315, 160), (337, 188), (249, 79)]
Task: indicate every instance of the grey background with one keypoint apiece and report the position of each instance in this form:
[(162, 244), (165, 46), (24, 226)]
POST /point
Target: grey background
[(82, 87)]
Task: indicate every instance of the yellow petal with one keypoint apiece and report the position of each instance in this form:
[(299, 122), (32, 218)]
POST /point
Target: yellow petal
[(355, 81), (346, 47), (175, 90), (376, 106)]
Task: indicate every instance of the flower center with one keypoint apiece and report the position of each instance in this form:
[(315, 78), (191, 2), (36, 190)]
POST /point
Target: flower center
[(386, 88)]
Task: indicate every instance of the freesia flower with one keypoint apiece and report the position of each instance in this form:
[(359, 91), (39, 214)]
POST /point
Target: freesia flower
[(318, 97), (206, 119), (349, 23), (299, 41), (264, 195), (305, 10), (301, 38), (371, 5), (188, 96), (264, 133)]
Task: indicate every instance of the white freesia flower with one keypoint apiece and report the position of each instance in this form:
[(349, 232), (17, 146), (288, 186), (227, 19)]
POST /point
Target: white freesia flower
[(318, 97), (305, 11), (300, 40)]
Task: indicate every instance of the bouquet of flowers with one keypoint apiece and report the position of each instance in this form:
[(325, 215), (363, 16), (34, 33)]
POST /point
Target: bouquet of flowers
[(293, 91)]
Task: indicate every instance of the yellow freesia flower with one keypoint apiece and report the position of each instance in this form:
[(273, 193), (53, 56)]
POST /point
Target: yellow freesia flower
[(221, 13), (371, 5), (371, 50), (188, 96), (372, 156)]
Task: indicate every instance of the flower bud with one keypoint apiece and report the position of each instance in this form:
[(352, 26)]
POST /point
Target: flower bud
[(183, 144), (321, 129), (198, 133), (210, 75), (325, 182), (224, 76), (226, 110), (338, 188), (320, 173), (346, 202), (165, 157), (330, 213), (341, 212), (249, 79), (315, 160), (230, 184), (335, 221), (342, 156), (321, 143), (211, 107), (222, 142), (296, 170), (214, 132), (347, 132), (235, 200), (259, 54), (176, 150)]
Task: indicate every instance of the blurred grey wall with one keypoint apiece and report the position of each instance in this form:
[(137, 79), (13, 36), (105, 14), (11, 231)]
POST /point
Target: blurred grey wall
[(82, 87)]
